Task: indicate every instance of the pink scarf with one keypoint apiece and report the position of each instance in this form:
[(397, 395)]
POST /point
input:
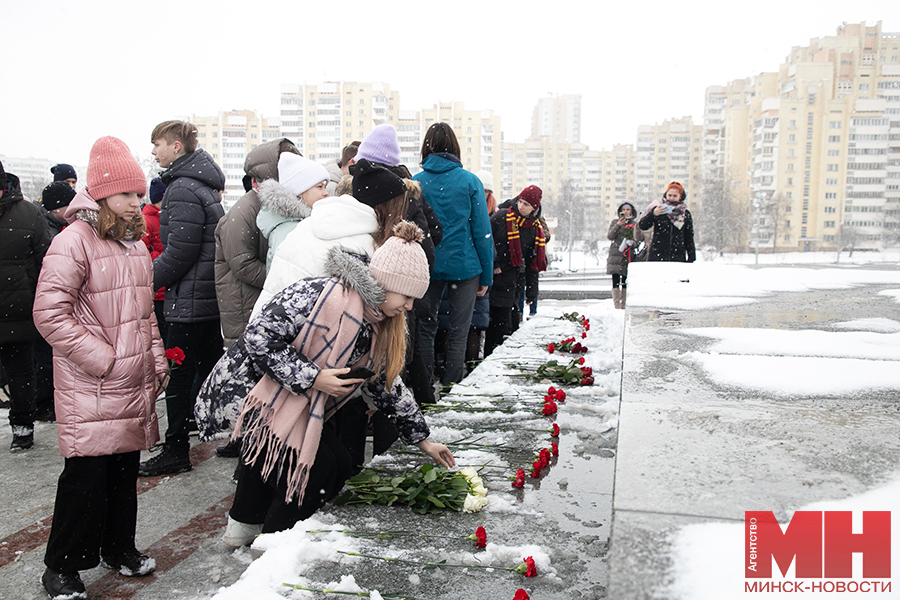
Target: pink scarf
[(287, 426)]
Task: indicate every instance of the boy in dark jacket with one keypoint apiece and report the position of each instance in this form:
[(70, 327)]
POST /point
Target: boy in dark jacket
[(191, 209)]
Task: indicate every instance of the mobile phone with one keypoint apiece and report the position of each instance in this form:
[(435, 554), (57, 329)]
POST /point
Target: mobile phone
[(668, 210), (358, 373)]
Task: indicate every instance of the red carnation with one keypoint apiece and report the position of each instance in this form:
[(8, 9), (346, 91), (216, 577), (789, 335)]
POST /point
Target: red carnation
[(520, 478), (576, 348), (530, 569), (549, 409), (554, 448), (554, 432), (551, 390), (480, 537), (175, 354), (587, 371), (587, 381), (536, 469), (581, 361), (587, 326), (583, 334), (544, 457), (551, 348), (521, 595), (560, 395)]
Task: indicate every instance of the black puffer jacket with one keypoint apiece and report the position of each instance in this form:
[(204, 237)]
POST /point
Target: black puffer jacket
[(23, 243), (191, 209), (670, 244)]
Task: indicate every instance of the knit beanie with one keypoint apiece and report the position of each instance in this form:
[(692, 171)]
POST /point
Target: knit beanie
[(380, 146), (532, 195), (157, 189), (487, 180), (62, 171), (399, 265), (57, 195), (297, 173), (373, 184), (113, 170)]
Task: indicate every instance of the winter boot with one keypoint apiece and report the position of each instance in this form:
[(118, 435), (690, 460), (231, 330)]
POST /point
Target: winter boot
[(129, 564), (617, 297), (230, 450), (239, 534), (23, 438), (63, 586), (167, 462), (624, 292)]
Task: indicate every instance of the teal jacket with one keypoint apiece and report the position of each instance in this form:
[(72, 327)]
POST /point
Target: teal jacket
[(457, 197)]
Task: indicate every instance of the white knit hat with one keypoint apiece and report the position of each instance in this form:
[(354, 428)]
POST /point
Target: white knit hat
[(297, 174), (399, 265), (487, 179)]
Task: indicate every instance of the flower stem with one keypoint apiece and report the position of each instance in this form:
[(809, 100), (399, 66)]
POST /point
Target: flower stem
[(427, 565), (357, 594)]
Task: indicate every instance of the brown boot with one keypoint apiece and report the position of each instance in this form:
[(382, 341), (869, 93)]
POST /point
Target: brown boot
[(617, 297)]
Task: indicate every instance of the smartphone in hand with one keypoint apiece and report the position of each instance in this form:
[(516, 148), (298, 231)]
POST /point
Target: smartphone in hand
[(358, 373)]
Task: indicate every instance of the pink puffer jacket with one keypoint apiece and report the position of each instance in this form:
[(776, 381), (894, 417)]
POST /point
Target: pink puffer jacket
[(94, 305)]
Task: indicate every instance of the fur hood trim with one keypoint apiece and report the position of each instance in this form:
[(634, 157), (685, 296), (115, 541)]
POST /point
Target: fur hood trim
[(275, 197), (353, 270)]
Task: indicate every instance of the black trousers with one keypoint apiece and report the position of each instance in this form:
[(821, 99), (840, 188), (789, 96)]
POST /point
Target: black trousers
[(43, 375), (95, 512), (618, 281), (504, 321), (17, 359), (202, 346), (257, 500)]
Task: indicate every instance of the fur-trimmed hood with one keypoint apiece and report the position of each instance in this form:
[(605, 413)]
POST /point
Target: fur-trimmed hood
[(278, 205), (353, 270)]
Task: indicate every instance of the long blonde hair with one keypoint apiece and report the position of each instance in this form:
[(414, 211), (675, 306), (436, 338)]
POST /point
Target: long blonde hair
[(111, 227), (389, 353)]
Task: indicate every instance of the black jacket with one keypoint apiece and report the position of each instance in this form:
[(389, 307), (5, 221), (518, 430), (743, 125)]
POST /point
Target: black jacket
[(191, 209), (511, 281), (23, 243), (670, 244)]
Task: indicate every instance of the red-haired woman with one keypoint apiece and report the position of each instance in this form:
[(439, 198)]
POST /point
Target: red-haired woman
[(673, 227)]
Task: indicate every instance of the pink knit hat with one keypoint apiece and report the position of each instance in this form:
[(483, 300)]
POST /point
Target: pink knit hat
[(399, 264), (113, 170)]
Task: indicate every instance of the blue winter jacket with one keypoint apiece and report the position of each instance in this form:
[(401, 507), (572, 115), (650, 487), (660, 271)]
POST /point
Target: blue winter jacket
[(457, 197)]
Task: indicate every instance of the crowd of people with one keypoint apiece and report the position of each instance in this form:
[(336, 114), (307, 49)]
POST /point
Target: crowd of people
[(292, 325)]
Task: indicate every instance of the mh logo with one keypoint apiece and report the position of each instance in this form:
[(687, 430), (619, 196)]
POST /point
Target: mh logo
[(822, 542)]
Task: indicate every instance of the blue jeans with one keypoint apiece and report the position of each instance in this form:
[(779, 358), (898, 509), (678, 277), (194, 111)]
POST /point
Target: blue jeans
[(461, 295)]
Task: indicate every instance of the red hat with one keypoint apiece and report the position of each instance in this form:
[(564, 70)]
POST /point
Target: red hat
[(113, 170), (677, 186), (532, 195)]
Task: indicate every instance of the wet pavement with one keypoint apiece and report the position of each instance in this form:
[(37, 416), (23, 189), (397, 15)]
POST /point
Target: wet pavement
[(694, 451)]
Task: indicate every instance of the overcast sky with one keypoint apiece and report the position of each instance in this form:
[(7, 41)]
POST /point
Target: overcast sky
[(77, 70)]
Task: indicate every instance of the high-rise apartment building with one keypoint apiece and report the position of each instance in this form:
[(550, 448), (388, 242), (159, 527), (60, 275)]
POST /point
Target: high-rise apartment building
[(323, 118), (814, 149), (228, 137), (558, 118), (665, 153)]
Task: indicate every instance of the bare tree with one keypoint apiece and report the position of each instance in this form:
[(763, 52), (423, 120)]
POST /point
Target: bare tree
[(722, 223), (569, 211)]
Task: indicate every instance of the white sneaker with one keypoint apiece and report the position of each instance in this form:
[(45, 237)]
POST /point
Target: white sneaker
[(239, 534)]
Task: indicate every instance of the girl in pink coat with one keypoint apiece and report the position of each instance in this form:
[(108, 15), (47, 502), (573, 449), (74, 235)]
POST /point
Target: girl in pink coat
[(95, 307)]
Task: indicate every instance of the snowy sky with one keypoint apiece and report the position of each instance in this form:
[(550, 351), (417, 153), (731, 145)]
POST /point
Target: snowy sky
[(74, 71)]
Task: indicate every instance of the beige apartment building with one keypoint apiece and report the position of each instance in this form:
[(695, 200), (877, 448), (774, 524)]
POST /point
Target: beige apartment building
[(228, 137), (558, 117), (665, 153), (813, 151)]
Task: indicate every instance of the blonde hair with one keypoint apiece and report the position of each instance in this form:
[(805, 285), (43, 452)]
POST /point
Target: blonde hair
[(344, 186), (389, 353), (388, 214), (112, 227)]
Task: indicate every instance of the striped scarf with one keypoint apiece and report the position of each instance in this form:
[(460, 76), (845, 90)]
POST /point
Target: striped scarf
[(514, 222)]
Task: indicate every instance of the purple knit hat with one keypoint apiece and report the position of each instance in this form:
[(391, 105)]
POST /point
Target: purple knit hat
[(380, 146)]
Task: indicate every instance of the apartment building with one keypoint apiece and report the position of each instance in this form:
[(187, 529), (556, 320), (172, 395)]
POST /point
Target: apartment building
[(665, 153), (228, 137), (813, 150), (559, 118)]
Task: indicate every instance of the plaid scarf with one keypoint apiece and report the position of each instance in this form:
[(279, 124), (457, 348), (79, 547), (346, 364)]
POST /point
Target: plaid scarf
[(283, 429), (514, 222)]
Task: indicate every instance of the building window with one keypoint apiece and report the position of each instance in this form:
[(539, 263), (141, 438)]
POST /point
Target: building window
[(864, 87), (792, 138), (834, 124), (833, 139)]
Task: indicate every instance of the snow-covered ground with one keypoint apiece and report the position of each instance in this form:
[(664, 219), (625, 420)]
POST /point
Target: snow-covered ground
[(815, 359)]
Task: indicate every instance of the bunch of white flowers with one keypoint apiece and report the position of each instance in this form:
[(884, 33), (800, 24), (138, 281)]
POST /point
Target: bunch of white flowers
[(475, 499)]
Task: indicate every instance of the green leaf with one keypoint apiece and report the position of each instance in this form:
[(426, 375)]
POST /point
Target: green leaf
[(435, 501)]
